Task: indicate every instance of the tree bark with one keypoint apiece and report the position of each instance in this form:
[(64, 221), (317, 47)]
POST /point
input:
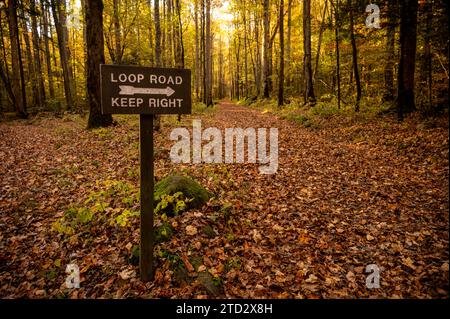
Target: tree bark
[(322, 27), (47, 50), (355, 59), (389, 88), (258, 55), (158, 60), (266, 66), (64, 56), (309, 89), (245, 51), (408, 28), (427, 57), (31, 71), (157, 34), (17, 77), (288, 44), (95, 57), (117, 36), (281, 74), (338, 64), (197, 63), (208, 50), (36, 52), (179, 29)]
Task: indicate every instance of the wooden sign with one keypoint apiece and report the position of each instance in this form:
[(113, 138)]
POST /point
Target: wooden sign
[(145, 91)]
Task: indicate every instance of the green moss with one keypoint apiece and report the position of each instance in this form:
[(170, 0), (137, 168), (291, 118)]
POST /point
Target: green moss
[(163, 233), (187, 186), (209, 231)]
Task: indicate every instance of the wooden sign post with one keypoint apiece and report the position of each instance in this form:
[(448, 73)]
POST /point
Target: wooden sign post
[(145, 91)]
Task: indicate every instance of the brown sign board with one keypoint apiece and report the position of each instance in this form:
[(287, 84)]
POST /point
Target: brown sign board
[(129, 89)]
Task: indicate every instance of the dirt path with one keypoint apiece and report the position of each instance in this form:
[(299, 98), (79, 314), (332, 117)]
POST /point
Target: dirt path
[(341, 199), (332, 209)]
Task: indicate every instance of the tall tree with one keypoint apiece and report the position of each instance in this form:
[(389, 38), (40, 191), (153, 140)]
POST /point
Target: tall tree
[(95, 57), (158, 60), (179, 54), (281, 74), (157, 34), (322, 28), (266, 66), (427, 60), (245, 49), (31, 72), (197, 51), (17, 77), (309, 89), (338, 63), (117, 37), (408, 40), (59, 19), (355, 59), (288, 44), (208, 54), (390, 51), (36, 51), (46, 37), (4, 70)]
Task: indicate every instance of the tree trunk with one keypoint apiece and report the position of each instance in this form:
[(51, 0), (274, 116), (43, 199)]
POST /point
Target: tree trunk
[(238, 71), (355, 59), (157, 121), (427, 58), (117, 36), (17, 77), (208, 51), (95, 57), (197, 63), (322, 27), (57, 14), (180, 46), (47, 51), (245, 52), (309, 89), (288, 45), (4, 73), (338, 64), (203, 60), (258, 56), (390, 52), (32, 76), (408, 27), (281, 75), (37, 55), (266, 50), (157, 34)]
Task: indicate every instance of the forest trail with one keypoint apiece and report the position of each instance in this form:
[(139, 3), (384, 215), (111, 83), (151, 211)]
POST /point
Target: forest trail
[(334, 206), (341, 199)]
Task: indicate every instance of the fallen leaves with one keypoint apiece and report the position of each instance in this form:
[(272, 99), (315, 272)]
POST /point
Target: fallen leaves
[(127, 274), (334, 206), (191, 230)]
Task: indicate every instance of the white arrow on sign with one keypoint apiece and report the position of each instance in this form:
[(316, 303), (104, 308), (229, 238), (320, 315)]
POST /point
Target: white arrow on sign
[(131, 90)]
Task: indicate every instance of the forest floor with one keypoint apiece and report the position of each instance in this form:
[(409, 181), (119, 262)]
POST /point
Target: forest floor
[(346, 195)]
